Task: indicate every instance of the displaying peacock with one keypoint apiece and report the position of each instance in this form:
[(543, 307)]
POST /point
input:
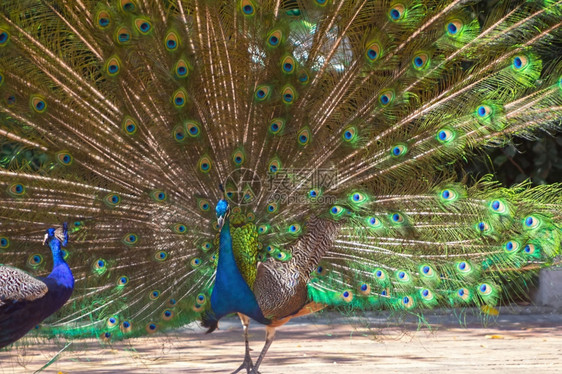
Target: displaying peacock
[(273, 158), (26, 301)]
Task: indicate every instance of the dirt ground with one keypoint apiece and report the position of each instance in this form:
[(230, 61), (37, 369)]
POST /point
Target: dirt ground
[(525, 340)]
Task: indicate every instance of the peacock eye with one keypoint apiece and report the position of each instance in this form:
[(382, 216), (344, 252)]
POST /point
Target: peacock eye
[(484, 111), (386, 97), (399, 150), (454, 27), (531, 222), (337, 211), (445, 136)]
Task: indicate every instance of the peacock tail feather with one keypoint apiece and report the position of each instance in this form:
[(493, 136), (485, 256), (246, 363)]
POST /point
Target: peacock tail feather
[(332, 126)]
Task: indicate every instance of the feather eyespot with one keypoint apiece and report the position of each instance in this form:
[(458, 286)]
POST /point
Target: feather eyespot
[(35, 260), (205, 165), (303, 136), (122, 281), (238, 157), (531, 222), (143, 25), (276, 126), (4, 37), (445, 136), (408, 302), (122, 35), (463, 294), (448, 195), (399, 150), (364, 289), (358, 198), (397, 12), (112, 322), (397, 218), (454, 27), (529, 249), (158, 195), (167, 315), (272, 208), (151, 328), (113, 66), (484, 111), (294, 229), (464, 267), (64, 158), (374, 222), (402, 276), (373, 51), (347, 296), (337, 211), (262, 93), (130, 239), (511, 246), (380, 275), (485, 289), (4, 242), (182, 68), (426, 294), (154, 294), (350, 134), (128, 5), (420, 61), (112, 200), (274, 166), (206, 246), (129, 126), (386, 98), (483, 227), (248, 7), (314, 193), (204, 205), (520, 62), (179, 228), (161, 256), (498, 206), (289, 95), (288, 65), (274, 38), (16, 190), (99, 266), (179, 99), (38, 104), (126, 326), (196, 262), (303, 77), (171, 41), (103, 19)]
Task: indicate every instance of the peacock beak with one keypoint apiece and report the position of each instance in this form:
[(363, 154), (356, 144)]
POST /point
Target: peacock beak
[(220, 220), (45, 239)]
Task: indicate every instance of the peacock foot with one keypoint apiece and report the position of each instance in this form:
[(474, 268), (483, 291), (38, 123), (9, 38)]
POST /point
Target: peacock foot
[(248, 365)]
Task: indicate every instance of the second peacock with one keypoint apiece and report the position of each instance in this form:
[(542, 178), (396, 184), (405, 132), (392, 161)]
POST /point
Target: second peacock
[(272, 158)]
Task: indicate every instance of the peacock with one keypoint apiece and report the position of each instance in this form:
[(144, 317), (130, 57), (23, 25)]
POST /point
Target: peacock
[(26, 301), (273, 158)]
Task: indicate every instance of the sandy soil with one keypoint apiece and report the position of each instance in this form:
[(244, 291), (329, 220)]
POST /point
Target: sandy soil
[(527, 341)]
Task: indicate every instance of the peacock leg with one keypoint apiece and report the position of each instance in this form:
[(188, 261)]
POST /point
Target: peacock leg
[(269, 335), (247, 364)]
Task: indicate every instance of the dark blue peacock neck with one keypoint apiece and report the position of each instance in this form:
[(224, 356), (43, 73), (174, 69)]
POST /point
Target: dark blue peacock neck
[(61, 272), (231, 293)]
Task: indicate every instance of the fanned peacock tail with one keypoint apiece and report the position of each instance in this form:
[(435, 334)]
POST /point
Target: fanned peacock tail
[(124, 117)]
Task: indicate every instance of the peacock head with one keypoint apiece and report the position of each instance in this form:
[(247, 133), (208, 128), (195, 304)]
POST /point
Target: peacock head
[(60, 234), (222, 212)]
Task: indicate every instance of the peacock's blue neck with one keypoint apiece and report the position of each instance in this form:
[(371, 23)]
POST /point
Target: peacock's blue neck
[(231, 293), (61, 271)]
